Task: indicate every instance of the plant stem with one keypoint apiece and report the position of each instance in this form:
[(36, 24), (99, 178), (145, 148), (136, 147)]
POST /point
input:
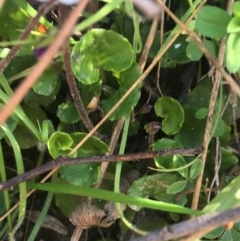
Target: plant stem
[(74, 89), (63, 161)]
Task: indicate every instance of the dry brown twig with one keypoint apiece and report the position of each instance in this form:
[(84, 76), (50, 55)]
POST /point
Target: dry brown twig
[(193, 229)]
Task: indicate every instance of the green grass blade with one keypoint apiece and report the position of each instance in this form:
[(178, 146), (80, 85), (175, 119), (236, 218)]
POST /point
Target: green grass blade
[(22, 186), (43, 214), (5, 193), (112, 196)]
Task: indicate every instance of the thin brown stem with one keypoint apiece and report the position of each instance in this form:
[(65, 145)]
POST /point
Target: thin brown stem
[(64, 161), (44, 8), (114, 139), (74, 89), (195, 228)]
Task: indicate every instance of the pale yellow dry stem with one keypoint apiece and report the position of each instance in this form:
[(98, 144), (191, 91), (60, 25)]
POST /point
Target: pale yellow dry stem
[(148, 43)]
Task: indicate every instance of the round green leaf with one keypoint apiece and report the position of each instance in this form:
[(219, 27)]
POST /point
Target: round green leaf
[(67, 113), (232, 52), (59, 143), (200, 95), (33, 99), (100, 49), (155, 186), (193, 52), (166, 161), (126, 80), (177, 187), (67, 203), (212, 47), (172, 112), (195, 169), (47, 82), (176, 54), (84, 174), (212, 22), (191, 133)]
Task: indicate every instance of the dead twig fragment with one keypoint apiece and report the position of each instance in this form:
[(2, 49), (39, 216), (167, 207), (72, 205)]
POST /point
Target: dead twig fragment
[(63, 161), (74, 89), (195, 228)]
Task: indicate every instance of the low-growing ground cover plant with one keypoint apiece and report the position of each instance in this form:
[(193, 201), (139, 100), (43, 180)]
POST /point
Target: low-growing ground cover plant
[(119, 118)]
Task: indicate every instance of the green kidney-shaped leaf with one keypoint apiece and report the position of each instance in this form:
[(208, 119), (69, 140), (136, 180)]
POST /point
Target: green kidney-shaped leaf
[(193, 52), (35, 100), (176, 54), (166, 161), (154, 186), (47, 83), (84, 174), (100, 49), (172, 112), (126, 79), (67, 113), (191, 133), (232, 52), (177, 187), (212, 22), (67, 203)]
